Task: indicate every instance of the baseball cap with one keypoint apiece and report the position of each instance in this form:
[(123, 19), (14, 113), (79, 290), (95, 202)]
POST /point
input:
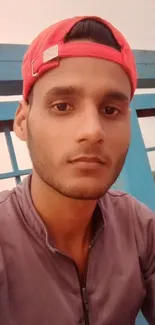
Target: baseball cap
[(49, 47)]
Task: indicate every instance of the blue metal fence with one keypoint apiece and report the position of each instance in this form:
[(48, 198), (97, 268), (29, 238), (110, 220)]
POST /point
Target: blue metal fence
[(136, 169), (136, 177), (16, 173)]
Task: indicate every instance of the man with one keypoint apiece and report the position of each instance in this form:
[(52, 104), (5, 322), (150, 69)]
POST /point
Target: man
[(73, 251)]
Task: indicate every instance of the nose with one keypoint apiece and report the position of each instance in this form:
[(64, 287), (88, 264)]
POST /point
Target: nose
[(91, 127)]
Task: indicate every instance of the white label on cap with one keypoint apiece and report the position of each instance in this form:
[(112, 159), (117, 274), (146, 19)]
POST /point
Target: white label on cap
[(51, 53)]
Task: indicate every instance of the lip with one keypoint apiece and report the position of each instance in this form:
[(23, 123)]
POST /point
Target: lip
[(92, 160)]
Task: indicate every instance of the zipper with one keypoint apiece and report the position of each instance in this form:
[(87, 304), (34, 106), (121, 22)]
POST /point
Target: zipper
[(83, 288), (85, 317), (84, 294)]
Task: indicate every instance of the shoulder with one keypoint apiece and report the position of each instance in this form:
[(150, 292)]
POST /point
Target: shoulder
[(129, 211), (7, 204), (121, 201), (134, 216), (10, 199), (7, 199), (5, 194), (10, 211)]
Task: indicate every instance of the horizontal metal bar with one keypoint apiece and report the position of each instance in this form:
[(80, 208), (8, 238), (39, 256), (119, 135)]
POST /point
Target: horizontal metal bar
[(146, 71), (146, 83), (144, 56), (12, 52), (150, 149), (9, 124), (11, 87), (15, 52), (7, 110), (10, 70), (15, 173), (149, 112), (143, 101), (11, 56), (14, 87)]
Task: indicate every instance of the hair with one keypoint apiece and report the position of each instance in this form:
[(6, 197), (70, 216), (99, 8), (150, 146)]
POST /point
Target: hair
[(92, 30)]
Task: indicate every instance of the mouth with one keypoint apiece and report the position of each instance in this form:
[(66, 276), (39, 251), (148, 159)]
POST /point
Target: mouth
[(88, 162)]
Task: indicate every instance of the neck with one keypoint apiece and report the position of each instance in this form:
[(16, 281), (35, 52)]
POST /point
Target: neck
[(67, 220)]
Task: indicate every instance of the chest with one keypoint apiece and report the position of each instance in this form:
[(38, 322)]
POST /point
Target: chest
[(47, 288)]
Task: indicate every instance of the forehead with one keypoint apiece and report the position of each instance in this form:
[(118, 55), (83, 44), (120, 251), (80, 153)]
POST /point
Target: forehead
[(90, 74)]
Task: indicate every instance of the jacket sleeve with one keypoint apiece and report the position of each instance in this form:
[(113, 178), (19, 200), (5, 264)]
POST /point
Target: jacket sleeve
[(4, 301), (145, 238)]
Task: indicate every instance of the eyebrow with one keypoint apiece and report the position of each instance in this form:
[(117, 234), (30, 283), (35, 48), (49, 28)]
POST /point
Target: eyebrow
[(64, 91), (78, 91), (117, 95)]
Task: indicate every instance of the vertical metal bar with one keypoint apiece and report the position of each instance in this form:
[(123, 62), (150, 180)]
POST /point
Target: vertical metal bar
[(11, 151), (141, 181)]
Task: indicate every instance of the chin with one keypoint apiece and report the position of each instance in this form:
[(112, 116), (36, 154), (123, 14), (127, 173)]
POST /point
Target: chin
[(84, 192), (87, 188)]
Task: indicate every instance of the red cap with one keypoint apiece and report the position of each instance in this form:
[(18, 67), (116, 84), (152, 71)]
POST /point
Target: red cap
[(48, 48)]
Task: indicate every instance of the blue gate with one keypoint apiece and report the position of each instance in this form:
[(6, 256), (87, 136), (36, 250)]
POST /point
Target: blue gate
[(136, 177)]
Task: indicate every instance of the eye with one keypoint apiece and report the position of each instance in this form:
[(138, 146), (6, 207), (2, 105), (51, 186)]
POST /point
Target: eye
[(110, 111), (62, 107)]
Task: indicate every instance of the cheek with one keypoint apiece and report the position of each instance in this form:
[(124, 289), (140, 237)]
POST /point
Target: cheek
[(118, 139), (50, 141)]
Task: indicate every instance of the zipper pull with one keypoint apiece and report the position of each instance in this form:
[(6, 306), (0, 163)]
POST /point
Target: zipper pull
[(85, 298)]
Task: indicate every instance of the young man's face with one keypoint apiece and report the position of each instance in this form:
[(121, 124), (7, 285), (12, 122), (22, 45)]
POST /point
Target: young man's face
[(78, 127)]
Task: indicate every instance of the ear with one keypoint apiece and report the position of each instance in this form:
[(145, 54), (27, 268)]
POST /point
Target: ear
[(20, 121)]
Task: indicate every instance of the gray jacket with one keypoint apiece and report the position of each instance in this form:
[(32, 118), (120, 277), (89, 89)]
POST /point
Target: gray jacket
[(41, 286)]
